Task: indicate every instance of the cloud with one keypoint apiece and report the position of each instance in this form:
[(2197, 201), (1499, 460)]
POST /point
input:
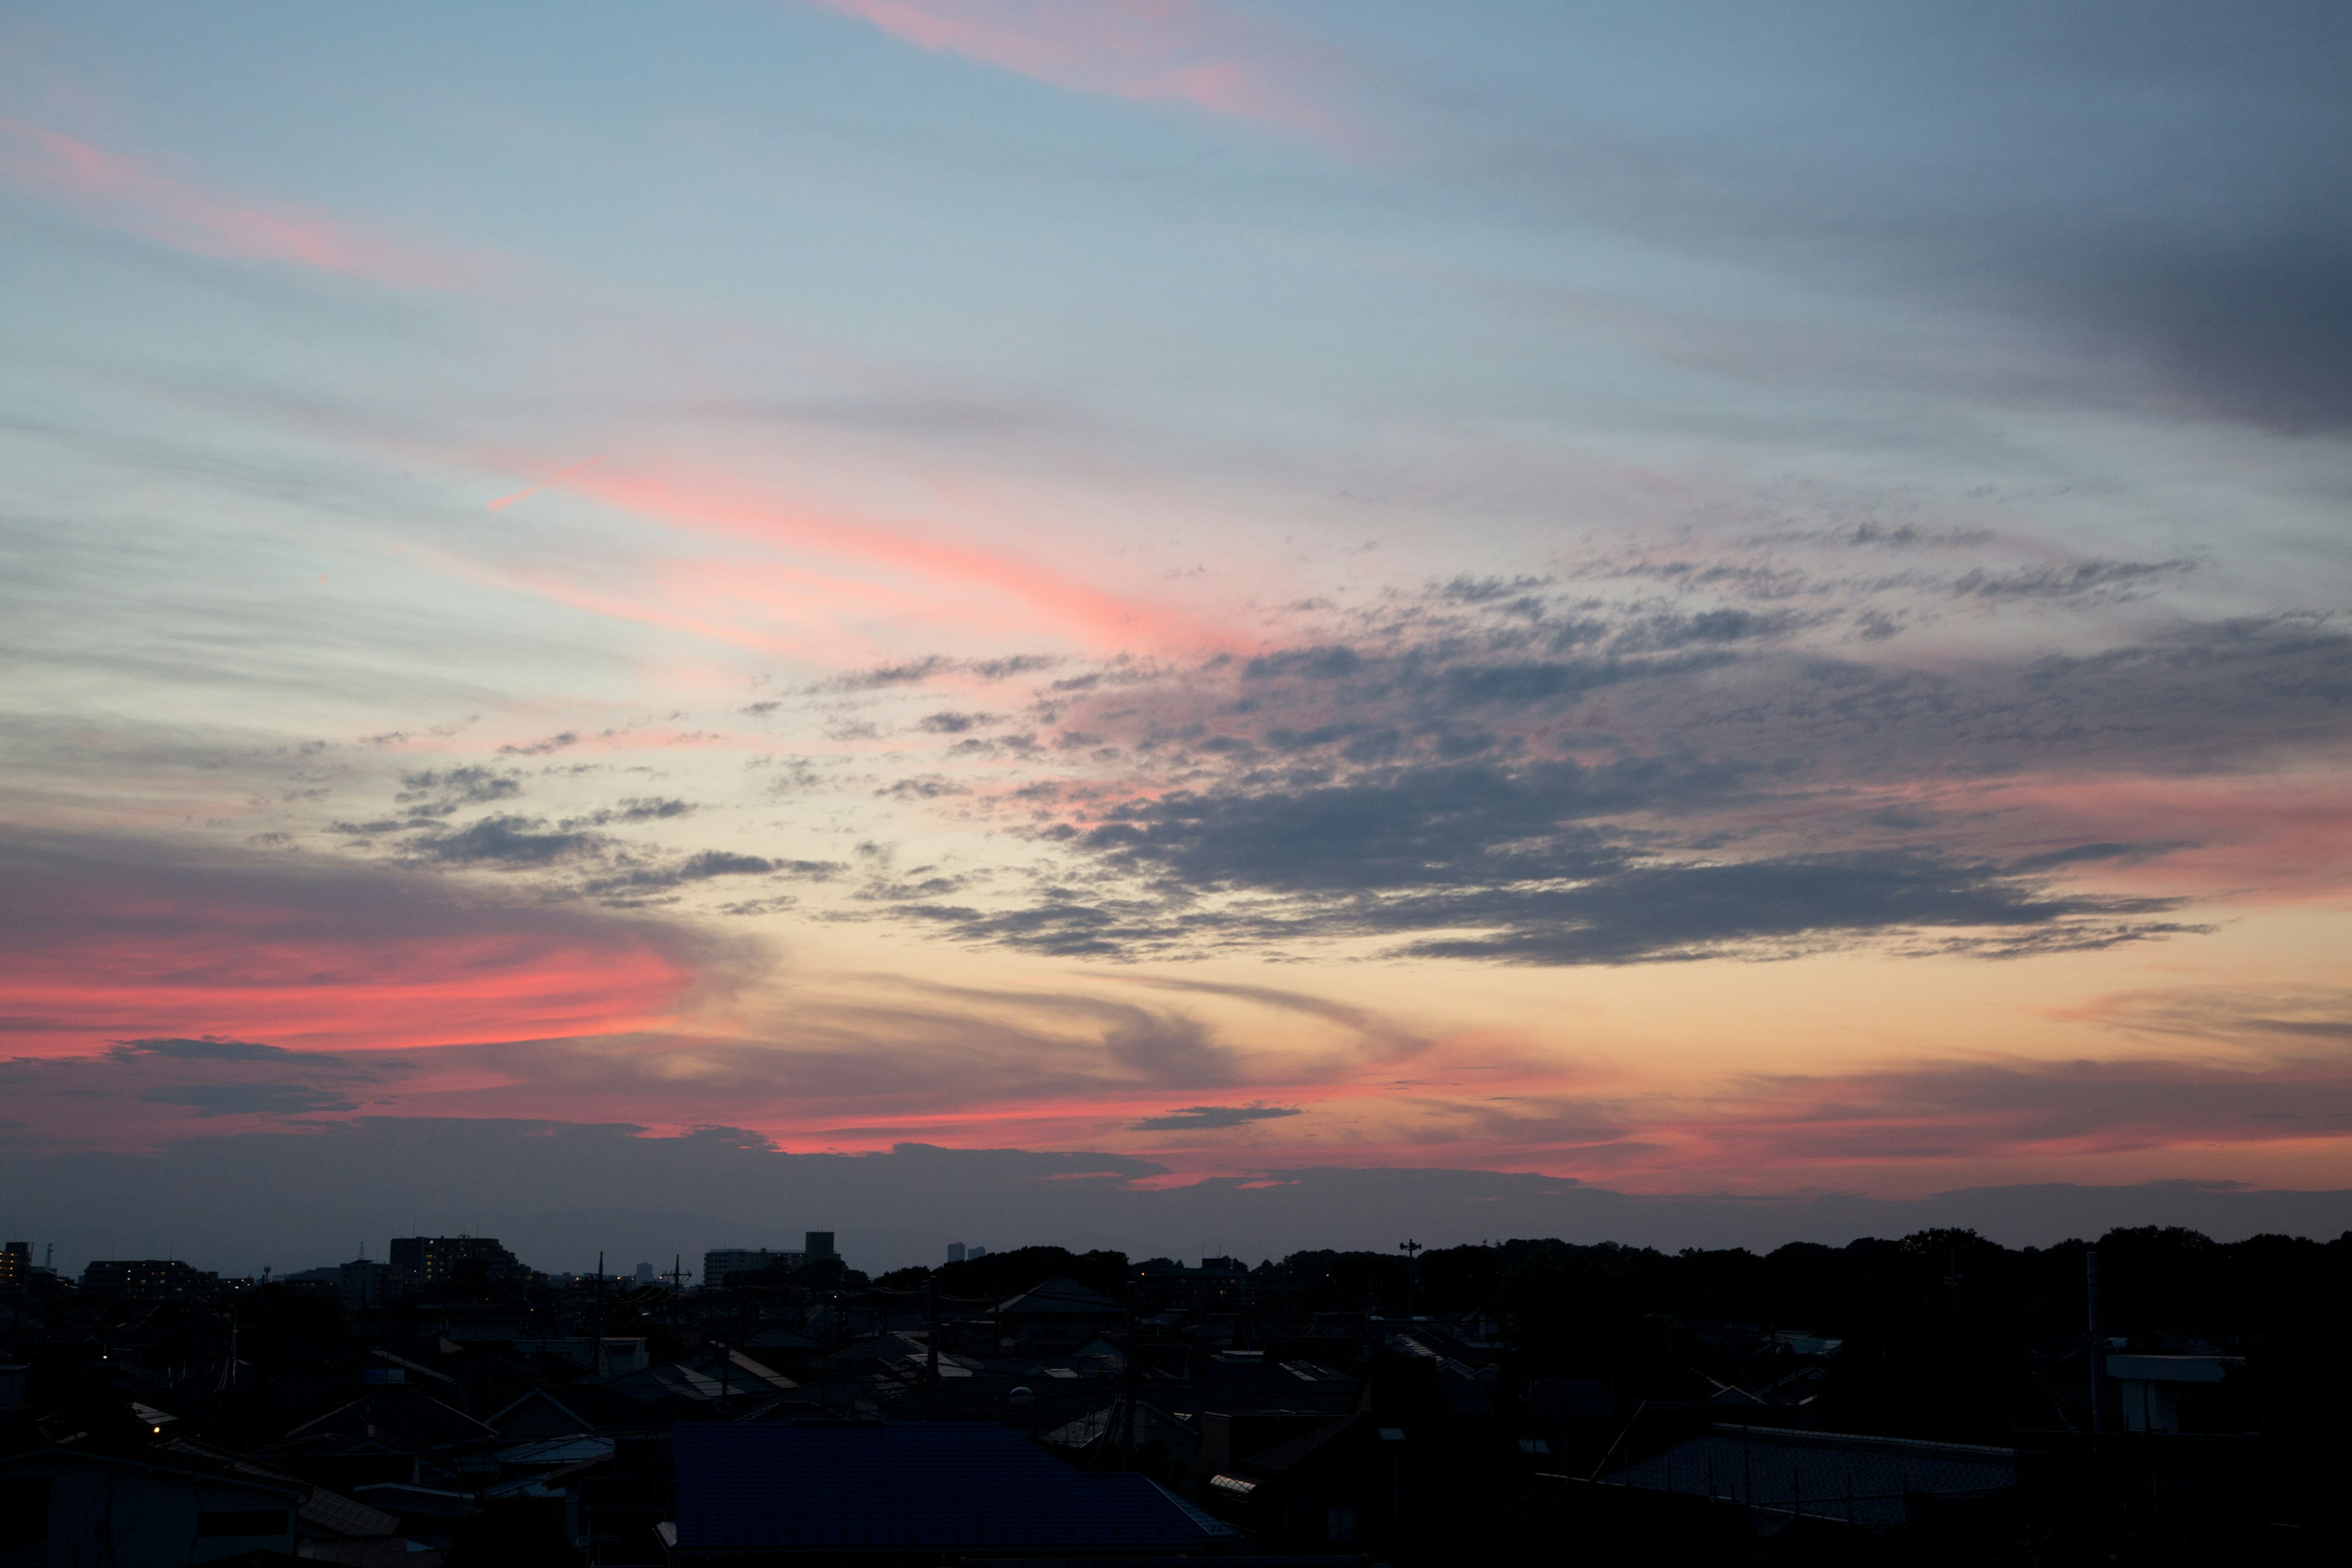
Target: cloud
[(635, 808), (1426, 784), (703, 867), (210, 1049), (915, 671), (2078, 581), (2148, 224), (1636, 913), (1956, 1112), (1169, 1048), (541, 748), (924, 573), (510, 842), (1197, 53), (1207, 1118), (117, 190), (443, 792), (181, 954), (952, 723), (249, 1098)]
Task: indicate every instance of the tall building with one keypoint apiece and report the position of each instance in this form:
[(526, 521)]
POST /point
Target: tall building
[(721, 1263), (420, 1262), (17, 1266), (955, 1252), (147, 1278)]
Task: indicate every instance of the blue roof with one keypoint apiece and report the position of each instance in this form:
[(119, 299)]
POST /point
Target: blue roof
[(820, 1486), (1822, 1474)]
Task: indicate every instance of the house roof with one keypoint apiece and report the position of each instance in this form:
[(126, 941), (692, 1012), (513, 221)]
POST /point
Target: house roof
[(140, 1456), (590, 1407), (1296, 1452), (557, 1451), (1061, 1299), (832, 1487), (1817, 1472), (397, 1415), (329, 1513), (332, 1514)]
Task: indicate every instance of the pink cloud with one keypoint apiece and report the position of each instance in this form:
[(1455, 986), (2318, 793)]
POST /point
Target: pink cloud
[(1165, 51), (123, 193), (942, 580)]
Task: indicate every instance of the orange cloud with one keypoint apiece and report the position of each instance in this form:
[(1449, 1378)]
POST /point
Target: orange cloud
[(120, 192), (1155, 51)]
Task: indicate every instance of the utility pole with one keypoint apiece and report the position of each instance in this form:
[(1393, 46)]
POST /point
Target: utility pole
[(1128, 1373), (931, 1352), (2098, 1337), (1410, 1250)]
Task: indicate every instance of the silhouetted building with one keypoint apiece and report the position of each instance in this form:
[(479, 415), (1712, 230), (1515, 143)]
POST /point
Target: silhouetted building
[(97, 1501), (721, 1265), (955, 1252), (1878, 1482), (2172, 1392), (1219, 1283), (1060, 1312), (16, 1266), (148, 1280), (423, 1262)]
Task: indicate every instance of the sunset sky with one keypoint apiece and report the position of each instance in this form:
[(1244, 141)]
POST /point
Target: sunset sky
[(1705, 598)]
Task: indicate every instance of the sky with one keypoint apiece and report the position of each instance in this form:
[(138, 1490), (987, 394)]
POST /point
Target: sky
[(1693, 603)]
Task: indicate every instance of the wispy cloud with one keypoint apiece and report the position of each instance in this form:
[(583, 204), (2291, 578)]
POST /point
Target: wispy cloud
[(122, 192), (937, 578), (1202, 56), (1209, 1118)]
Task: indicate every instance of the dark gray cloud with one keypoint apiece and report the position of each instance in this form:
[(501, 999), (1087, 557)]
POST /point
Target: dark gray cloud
[(1208, 1117), (954, 723), (925, 786), (210, 1049), (1169, 1048), (643, 877), (914, 672), (1638, 913), (441, 793), (249, 1098), (2149, 193), (632, 809), (2078, 581), (1426, 825), (513, 842), (1342, 789), (2256, 327), (541, 748)]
